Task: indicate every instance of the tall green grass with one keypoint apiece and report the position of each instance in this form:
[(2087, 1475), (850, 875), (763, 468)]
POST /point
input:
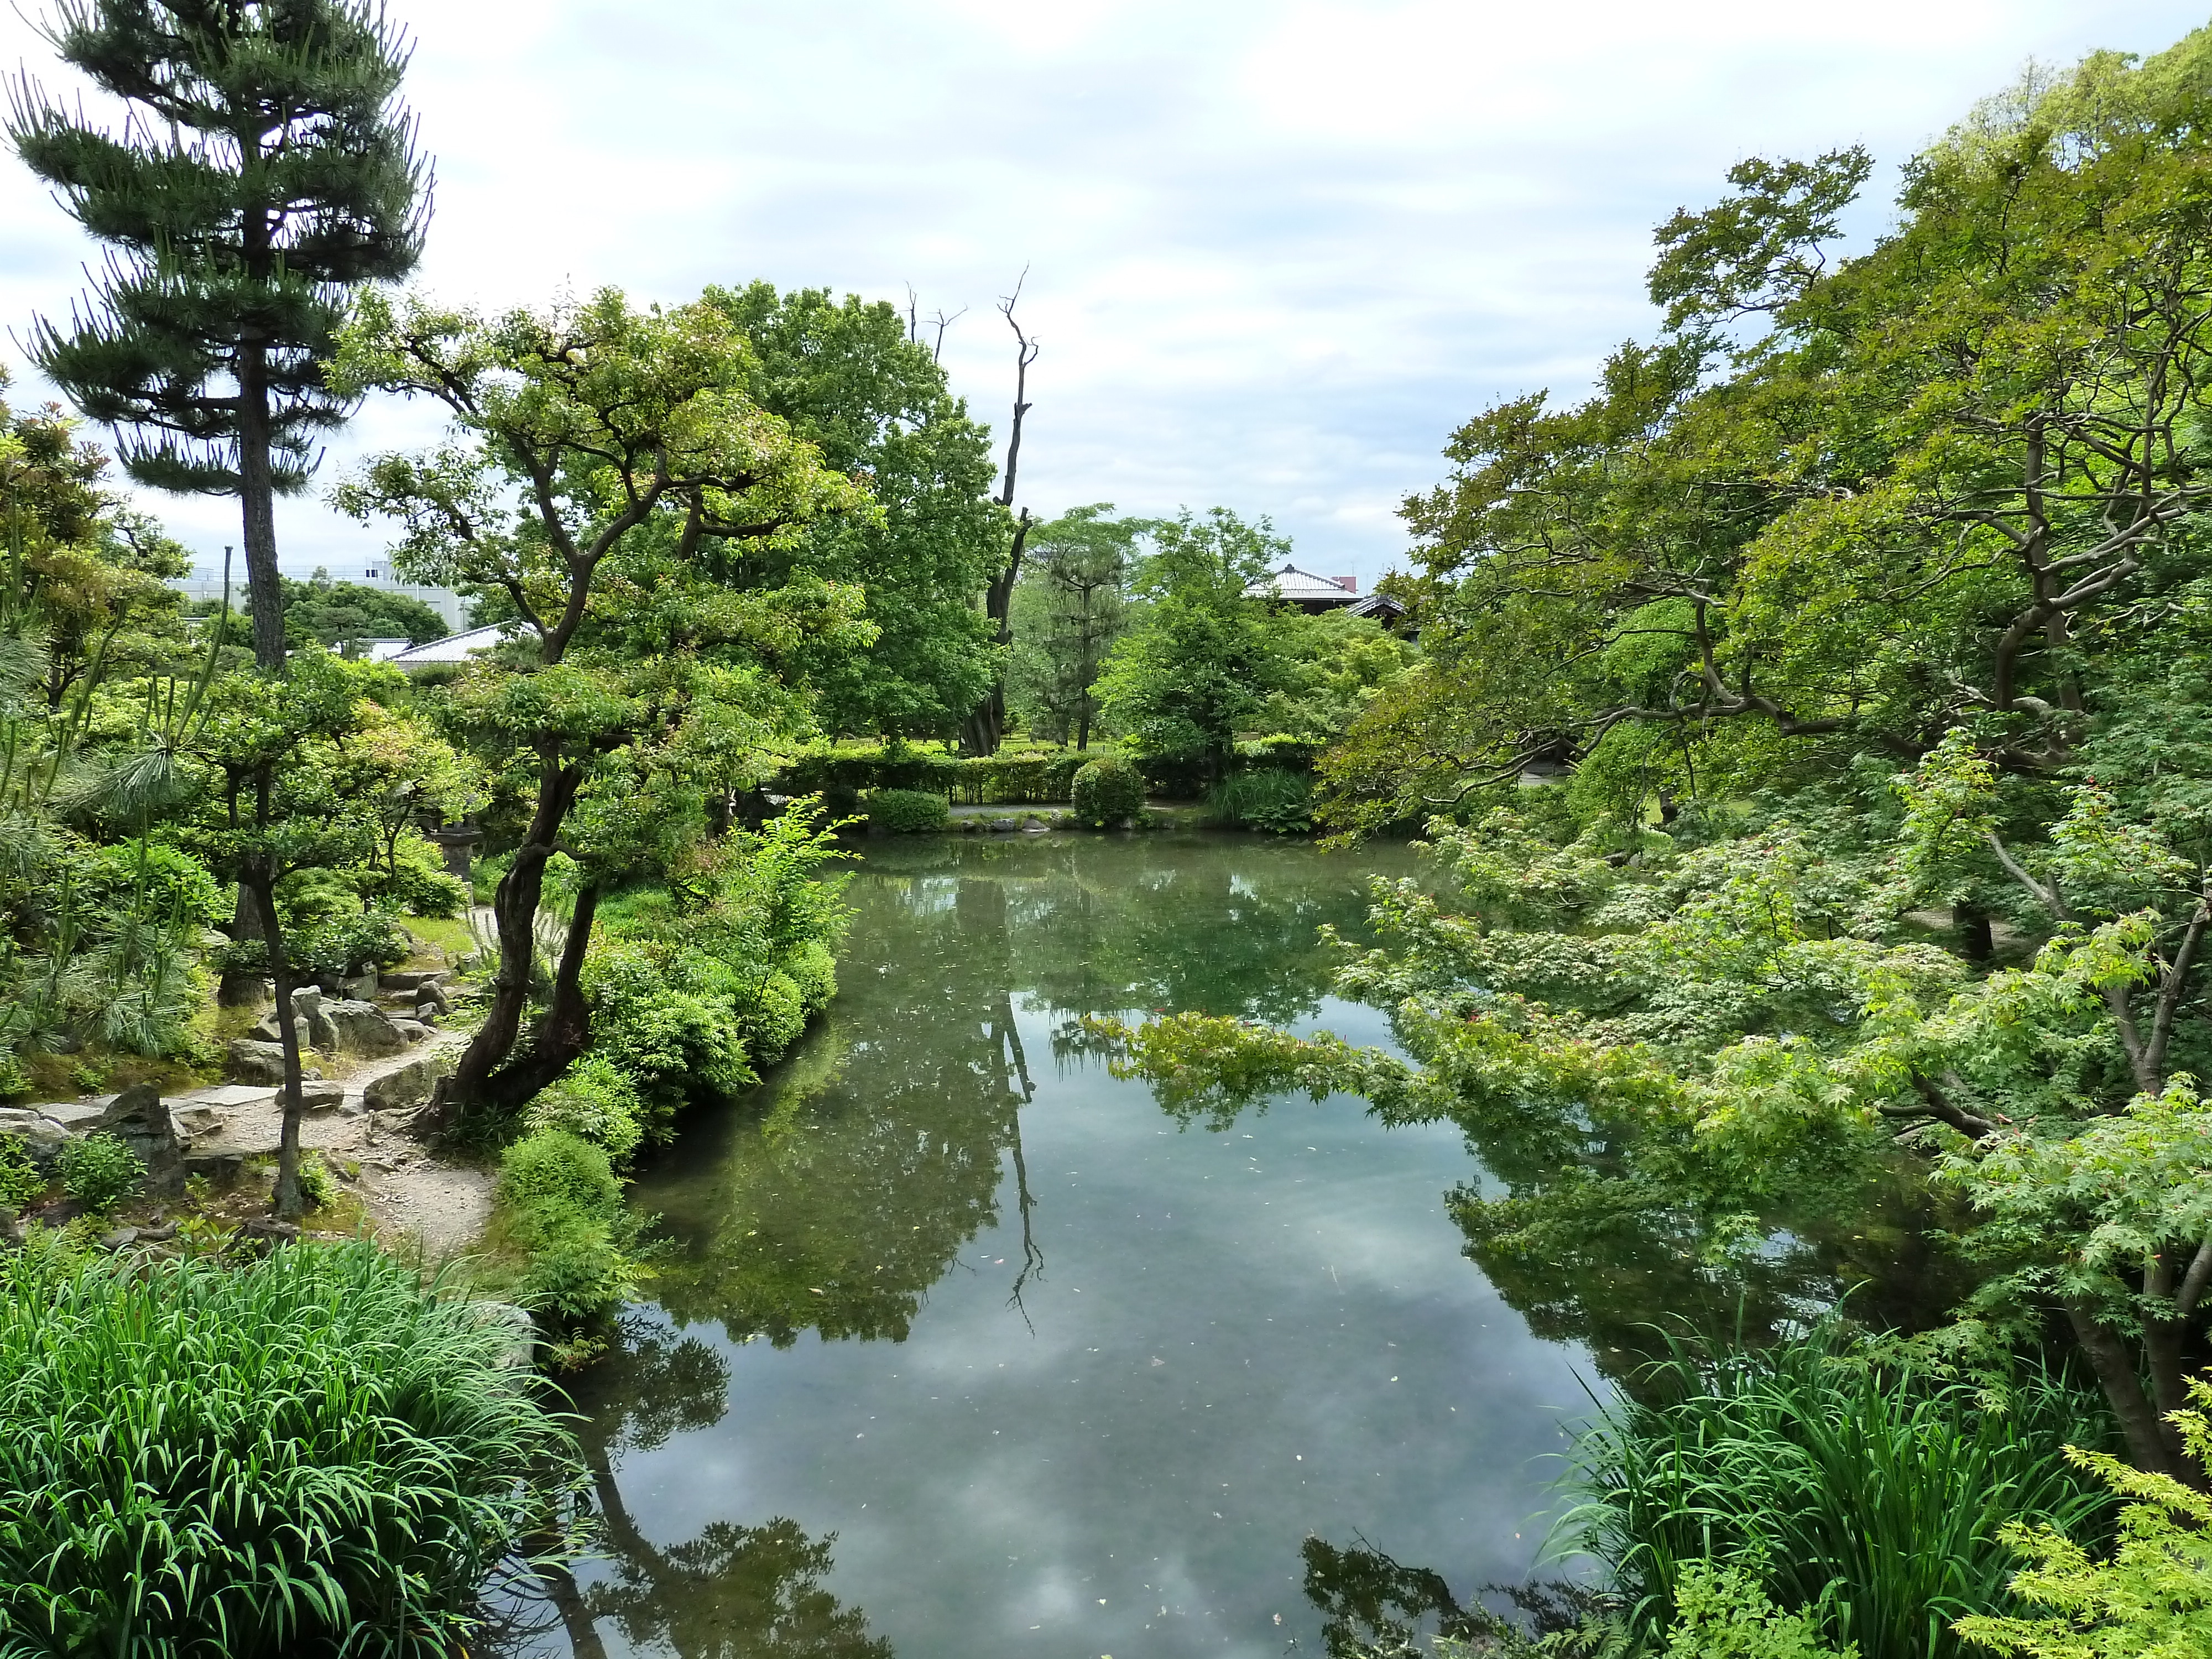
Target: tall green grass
[(308, 1455), (1872, 1497)]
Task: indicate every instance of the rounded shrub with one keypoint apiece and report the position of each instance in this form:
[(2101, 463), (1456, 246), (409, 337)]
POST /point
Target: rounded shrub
[(556, 1170), (814, 970), (1106, 791), (312, 1454), (774, 1015), (98, 1171), (907, 811), (594, 1101)]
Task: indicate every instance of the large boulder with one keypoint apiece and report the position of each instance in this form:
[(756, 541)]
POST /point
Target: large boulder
[(363, 1027), (254, 1061), (268, 1032), (141, 1122), (42, 1138), (413, 979), (409, 1085)]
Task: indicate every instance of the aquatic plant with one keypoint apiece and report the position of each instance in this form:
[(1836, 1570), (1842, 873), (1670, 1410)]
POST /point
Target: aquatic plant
[(315, 1453), (1875, 1499)]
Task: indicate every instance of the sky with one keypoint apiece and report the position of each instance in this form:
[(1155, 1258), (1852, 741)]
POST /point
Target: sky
[(1275, 253)]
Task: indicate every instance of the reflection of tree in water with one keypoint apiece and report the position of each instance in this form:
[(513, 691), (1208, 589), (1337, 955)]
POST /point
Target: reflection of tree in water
[(1372, 1606), (755, 1591), (874, 1157)]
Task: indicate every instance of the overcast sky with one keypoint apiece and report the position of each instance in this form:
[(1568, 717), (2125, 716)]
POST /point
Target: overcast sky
[(1276, 251)]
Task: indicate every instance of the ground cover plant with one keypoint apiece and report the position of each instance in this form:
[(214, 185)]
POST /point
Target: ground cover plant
[(316, 1452)]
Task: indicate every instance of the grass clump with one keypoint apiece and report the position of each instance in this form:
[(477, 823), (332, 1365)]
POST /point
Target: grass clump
[(1876, 1500), (1265, 797), (98, 1171), (311, 1453)]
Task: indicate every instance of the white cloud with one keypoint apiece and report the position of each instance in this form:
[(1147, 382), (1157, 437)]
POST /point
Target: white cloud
[(1276, 253)]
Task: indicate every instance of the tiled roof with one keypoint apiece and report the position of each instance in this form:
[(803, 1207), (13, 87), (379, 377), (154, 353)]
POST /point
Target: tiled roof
[(455, 647), (1296, 585)]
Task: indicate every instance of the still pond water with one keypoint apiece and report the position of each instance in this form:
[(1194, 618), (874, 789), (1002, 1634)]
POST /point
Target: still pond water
[(963, 1349)]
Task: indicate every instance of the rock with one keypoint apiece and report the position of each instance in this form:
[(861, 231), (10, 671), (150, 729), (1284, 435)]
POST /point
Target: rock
[(361, 987), (363, 1027), (413, 1029), (516, 1328), (42, 1138), (11, 1226), (160, 1233), (431, 994), (321, 1097), (262, 1231), (216, 1169), (409, 1085), (119, 1238), (75, 1115), (197, 1118), (1004, 826), (252, 1061), (139, 1118), (413, 979), (303, 1030), (307, 1000)]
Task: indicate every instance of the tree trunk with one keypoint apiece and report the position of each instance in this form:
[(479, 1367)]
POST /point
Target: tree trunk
[(2150, 1446), (1975, 941), (514, 912), (287, 1202), (257, 497), (566, 1030)]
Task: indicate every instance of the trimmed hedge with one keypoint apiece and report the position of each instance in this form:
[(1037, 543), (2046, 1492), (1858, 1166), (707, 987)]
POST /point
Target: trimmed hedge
[(1013, 777), (907, 811)]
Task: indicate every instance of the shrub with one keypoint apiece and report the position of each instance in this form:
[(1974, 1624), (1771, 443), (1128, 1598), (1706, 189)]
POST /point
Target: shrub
[(98, 1171), (317, 1186), (1266, 798), (346, 945), (593, 1101), (1873, 1497), (2153, 1597), (561, 1202), (773, 1015), (668, 1018), (814, 970), (1108, 790), (19, 1179), (1724, 1614), (310, 1454), (907, 811)]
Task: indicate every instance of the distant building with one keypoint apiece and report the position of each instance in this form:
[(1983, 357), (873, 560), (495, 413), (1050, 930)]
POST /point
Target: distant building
[(1315, 594), (1310, 593), (205, 582)]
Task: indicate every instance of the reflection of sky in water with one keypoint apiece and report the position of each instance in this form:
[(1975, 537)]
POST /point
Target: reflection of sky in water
[(1237, 1339)]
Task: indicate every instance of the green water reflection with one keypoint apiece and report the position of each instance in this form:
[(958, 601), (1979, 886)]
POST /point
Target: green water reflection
[(955, 1329)]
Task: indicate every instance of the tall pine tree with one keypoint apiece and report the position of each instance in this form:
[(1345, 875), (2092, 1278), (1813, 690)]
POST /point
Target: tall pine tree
[(264, 168)]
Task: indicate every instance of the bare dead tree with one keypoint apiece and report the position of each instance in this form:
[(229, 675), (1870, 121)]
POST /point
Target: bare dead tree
[(986, 727), (939, 321)]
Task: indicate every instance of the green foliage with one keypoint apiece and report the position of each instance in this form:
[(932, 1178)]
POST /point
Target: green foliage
[(907, 811), (349, 944), (1107, 791), (313, 1452), (336, 613), (560, 1200), (1723, 1613), (317, 1186), (1069, 606), (20, 1183), (595, 1100), (1266, 798), (1014, 775), (2151, 1599), (1874, 1500), (98, 1171), (1200, 661), (849, 379)]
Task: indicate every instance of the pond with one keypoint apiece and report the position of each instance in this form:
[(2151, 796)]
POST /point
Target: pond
[(962, 1348)]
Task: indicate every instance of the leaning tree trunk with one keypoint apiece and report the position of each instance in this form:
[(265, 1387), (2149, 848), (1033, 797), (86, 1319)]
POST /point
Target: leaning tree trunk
[(479, 1083), (286, 1201)]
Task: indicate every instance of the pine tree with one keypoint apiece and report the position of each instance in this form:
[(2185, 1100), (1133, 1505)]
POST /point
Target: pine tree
[(263, 169)]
